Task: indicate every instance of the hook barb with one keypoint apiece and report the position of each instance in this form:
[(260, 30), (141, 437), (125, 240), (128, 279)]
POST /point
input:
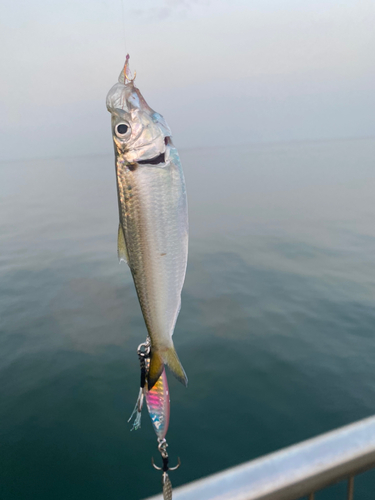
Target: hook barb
[(176, 466), (155, 466)]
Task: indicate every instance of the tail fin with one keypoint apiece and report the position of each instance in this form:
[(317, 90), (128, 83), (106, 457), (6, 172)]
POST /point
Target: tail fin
[(170, 358), (156, 368)]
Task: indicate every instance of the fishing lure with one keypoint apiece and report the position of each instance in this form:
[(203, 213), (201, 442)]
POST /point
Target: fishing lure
[(158, 405)]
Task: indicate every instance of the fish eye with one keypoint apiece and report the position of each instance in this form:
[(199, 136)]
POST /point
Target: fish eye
[(121, 129)]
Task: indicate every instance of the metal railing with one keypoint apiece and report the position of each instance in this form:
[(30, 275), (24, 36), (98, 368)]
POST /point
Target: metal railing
[(294, 472)]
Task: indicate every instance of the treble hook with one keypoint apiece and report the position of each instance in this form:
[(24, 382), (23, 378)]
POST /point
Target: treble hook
[(167, 485), (168, 468), (166, 482), (177, 466), (155, 466)]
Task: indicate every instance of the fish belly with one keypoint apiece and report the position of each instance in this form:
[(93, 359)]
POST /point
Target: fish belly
[(153, 215)]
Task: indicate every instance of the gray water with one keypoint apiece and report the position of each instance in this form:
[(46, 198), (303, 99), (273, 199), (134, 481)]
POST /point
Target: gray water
[(276, 331)]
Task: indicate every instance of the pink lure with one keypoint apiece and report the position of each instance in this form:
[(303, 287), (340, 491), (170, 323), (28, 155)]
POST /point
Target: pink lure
[(158, 405)]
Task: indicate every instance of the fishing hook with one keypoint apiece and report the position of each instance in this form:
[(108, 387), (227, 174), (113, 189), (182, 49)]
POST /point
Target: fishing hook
[(169, 468), (176, 466), (162, 447), (166, 482), (155, 466), (131, 80), (143, 352)]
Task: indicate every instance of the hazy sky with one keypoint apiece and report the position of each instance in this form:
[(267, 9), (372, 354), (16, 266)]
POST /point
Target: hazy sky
[(221, 72)]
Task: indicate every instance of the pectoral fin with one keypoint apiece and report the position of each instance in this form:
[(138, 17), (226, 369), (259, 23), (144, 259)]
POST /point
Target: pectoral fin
[(121, 246)]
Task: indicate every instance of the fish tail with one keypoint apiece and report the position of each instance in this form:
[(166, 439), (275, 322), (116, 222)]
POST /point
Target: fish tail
[(168, 357), (155, 369)]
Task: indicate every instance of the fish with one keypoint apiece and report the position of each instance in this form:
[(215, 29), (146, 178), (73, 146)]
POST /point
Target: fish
[(153, 227)]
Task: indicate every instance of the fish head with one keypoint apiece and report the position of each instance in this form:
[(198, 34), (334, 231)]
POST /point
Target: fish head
[(139, 133)]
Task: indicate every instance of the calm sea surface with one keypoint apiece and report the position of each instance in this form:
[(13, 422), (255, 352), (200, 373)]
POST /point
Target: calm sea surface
[(276, 331)]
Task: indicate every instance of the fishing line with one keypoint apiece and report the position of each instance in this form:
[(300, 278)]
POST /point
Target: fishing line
[(123, 24)]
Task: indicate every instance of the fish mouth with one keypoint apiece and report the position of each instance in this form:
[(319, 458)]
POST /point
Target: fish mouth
[(153, 161)]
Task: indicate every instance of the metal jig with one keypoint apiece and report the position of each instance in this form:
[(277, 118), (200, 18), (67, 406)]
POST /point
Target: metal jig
[(143, 352)]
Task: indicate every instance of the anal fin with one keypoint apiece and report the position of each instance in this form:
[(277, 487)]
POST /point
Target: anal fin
[(122, 251)]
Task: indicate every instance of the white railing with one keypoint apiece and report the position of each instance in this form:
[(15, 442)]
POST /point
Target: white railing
[(292, 472)]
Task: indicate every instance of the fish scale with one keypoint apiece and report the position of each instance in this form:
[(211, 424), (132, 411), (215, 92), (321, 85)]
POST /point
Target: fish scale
[(149, 235)]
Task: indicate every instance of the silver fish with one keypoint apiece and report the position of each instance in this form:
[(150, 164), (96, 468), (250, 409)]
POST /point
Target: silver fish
[(153, 229)]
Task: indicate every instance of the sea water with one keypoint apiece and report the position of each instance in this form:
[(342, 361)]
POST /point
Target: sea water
[(276, 330)]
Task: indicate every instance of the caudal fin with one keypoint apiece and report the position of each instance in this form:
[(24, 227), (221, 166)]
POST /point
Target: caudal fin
[(170, 358), (155, 369)]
